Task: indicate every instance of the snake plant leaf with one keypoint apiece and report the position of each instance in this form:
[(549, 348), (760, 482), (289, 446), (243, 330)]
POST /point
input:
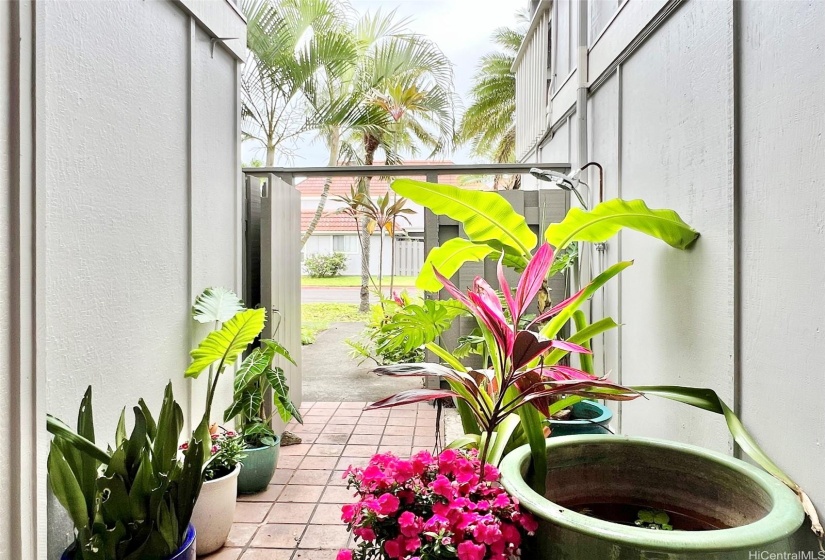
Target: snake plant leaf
[(447, 259), (169, 426), (117, 505), (486, 216), (609, 217), (280, 393), (216, 305), (707, 399), (136, 442), (66, 488), (58, 428), (86, 465), (120, 430), (226, 344)]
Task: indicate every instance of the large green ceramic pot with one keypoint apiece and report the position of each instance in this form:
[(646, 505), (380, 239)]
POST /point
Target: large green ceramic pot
[(587, 417), (258, 467), (756, 512)]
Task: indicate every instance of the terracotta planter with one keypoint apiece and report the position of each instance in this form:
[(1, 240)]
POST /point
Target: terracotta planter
[(742, 508), (258, 467), (214, 511)]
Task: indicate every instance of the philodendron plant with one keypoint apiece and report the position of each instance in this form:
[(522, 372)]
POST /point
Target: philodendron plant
[(254, 379)]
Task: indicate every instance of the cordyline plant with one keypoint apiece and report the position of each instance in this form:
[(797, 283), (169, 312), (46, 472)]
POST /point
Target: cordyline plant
[(496, 397)]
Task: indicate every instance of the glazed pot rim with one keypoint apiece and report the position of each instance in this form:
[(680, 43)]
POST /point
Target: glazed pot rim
[(233, 474), (783, 519), (277, 443), (605, 415)]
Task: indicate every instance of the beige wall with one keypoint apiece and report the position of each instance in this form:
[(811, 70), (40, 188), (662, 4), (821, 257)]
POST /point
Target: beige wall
[(135, 209)]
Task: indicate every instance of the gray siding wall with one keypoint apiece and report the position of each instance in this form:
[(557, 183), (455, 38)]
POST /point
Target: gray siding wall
[(134, 209), (714, 109)]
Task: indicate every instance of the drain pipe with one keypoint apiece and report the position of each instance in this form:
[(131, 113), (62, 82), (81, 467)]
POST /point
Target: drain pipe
[(585, 267)]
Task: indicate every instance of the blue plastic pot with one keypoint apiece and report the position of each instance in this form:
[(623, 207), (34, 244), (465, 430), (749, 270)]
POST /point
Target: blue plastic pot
[(588, 417), (185, 552)]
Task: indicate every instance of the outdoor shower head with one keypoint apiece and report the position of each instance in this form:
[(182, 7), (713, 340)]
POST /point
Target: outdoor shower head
[(568, 183)]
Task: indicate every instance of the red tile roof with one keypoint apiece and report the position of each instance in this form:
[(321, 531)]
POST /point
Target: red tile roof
[(329, 222)]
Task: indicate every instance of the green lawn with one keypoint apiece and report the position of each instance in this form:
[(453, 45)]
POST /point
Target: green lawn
[(316, 317), (354, 281)]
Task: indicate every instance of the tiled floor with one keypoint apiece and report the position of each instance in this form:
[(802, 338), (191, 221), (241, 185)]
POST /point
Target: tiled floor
[(299, 516)]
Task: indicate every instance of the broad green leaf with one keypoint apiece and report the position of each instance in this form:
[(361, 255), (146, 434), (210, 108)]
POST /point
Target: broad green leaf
[(468, 420), (552, 328), (278, 349), (534, 432), (66, 488), (280, 393), (58, 428), (226, 344), (414, 325), (503, 433), (216, 305), (586, 360), (447, 259), (467, 441), (707, 399), (486, 216), (609, 217), (252, 369)]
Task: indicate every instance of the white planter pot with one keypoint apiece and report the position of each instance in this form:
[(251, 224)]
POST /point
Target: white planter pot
[(214, 511)]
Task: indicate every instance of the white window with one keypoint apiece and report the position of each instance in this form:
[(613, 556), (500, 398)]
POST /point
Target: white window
[(345, 243)]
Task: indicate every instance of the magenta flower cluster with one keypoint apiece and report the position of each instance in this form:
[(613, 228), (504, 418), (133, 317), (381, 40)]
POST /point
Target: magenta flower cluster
[(433, 508)]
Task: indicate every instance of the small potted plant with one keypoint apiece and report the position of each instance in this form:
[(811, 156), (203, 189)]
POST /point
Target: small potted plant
[(255, 379), (133, 501), (442, 507), (211, 516)]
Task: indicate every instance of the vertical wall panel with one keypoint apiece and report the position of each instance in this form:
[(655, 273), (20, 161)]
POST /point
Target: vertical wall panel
[(782, 140)]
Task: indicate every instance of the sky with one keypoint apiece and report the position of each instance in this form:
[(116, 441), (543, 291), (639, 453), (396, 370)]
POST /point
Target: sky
[(461, 28)]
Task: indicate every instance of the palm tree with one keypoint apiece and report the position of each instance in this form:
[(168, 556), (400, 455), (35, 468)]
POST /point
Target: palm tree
[(400, 97), (490, 120), (290, 42)]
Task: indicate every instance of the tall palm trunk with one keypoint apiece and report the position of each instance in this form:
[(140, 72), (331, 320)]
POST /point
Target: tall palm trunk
[(334, 151), (371, 145)]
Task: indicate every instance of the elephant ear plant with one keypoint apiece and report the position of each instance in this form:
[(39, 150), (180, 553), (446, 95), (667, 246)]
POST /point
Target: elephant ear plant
[(135, 501), (256, 376)]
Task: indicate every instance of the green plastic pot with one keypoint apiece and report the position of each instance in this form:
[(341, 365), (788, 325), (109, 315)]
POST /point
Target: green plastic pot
[(258, 467), (760, 513)]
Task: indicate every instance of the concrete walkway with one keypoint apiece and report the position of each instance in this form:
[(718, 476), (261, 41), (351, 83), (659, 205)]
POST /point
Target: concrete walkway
[(318, 294), (330, 374)]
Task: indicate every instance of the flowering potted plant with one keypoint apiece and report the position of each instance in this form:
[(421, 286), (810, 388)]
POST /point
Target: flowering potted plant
[(212, 517), (433, 508), (255, 379)]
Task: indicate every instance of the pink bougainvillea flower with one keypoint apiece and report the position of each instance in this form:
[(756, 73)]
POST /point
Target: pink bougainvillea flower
[(388, 504), (470, 551), (344, 555)]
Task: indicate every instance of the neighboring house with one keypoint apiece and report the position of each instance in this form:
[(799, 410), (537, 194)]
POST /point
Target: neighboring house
[(337, 232), (714, 109), (122, 200)]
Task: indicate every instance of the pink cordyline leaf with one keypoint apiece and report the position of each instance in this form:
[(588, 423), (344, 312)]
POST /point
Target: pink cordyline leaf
[(505, 287), (528, 346), (556, 309), (532, 280), (569, 347), (411, 396), (564, 373)]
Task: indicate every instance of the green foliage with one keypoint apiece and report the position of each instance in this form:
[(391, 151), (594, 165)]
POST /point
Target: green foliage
[(447, 259), (225, 344), (325, 266), (228, 449), (611, 216), (216, 305), (136, 500), (653, 519), (256, 376)]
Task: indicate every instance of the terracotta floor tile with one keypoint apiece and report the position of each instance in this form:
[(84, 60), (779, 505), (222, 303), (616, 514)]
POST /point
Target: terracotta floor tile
[(327, 514), (290, 461), (317, 462), (290, 513), (251, 512), (368, 429), (326, 449), (308, 429), (300, 493), (338, 479), (268, 554), (401, 421), (300, 449), (322, 404), (343, 421), (240, 534), (346, 462), (364, 439), (224, 554), (401, 413), (325, 537), (332, 438), (306, 437), (347, 412), (338, 429), (327, 554), (425, 431), (360, 450), (379, 413), (308, 420), (399, 430), (269, 495), (399, 450), (358, 405), (281, 476), (396, 440), (318, 477), (277, 535), (423, 442), (337, 495)]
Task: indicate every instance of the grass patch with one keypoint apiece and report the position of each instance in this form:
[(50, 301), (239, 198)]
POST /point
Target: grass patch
[(354, 281), (316, 317)]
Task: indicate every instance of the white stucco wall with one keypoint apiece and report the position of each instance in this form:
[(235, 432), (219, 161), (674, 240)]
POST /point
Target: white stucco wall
[(137, 208), (717, 114)]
